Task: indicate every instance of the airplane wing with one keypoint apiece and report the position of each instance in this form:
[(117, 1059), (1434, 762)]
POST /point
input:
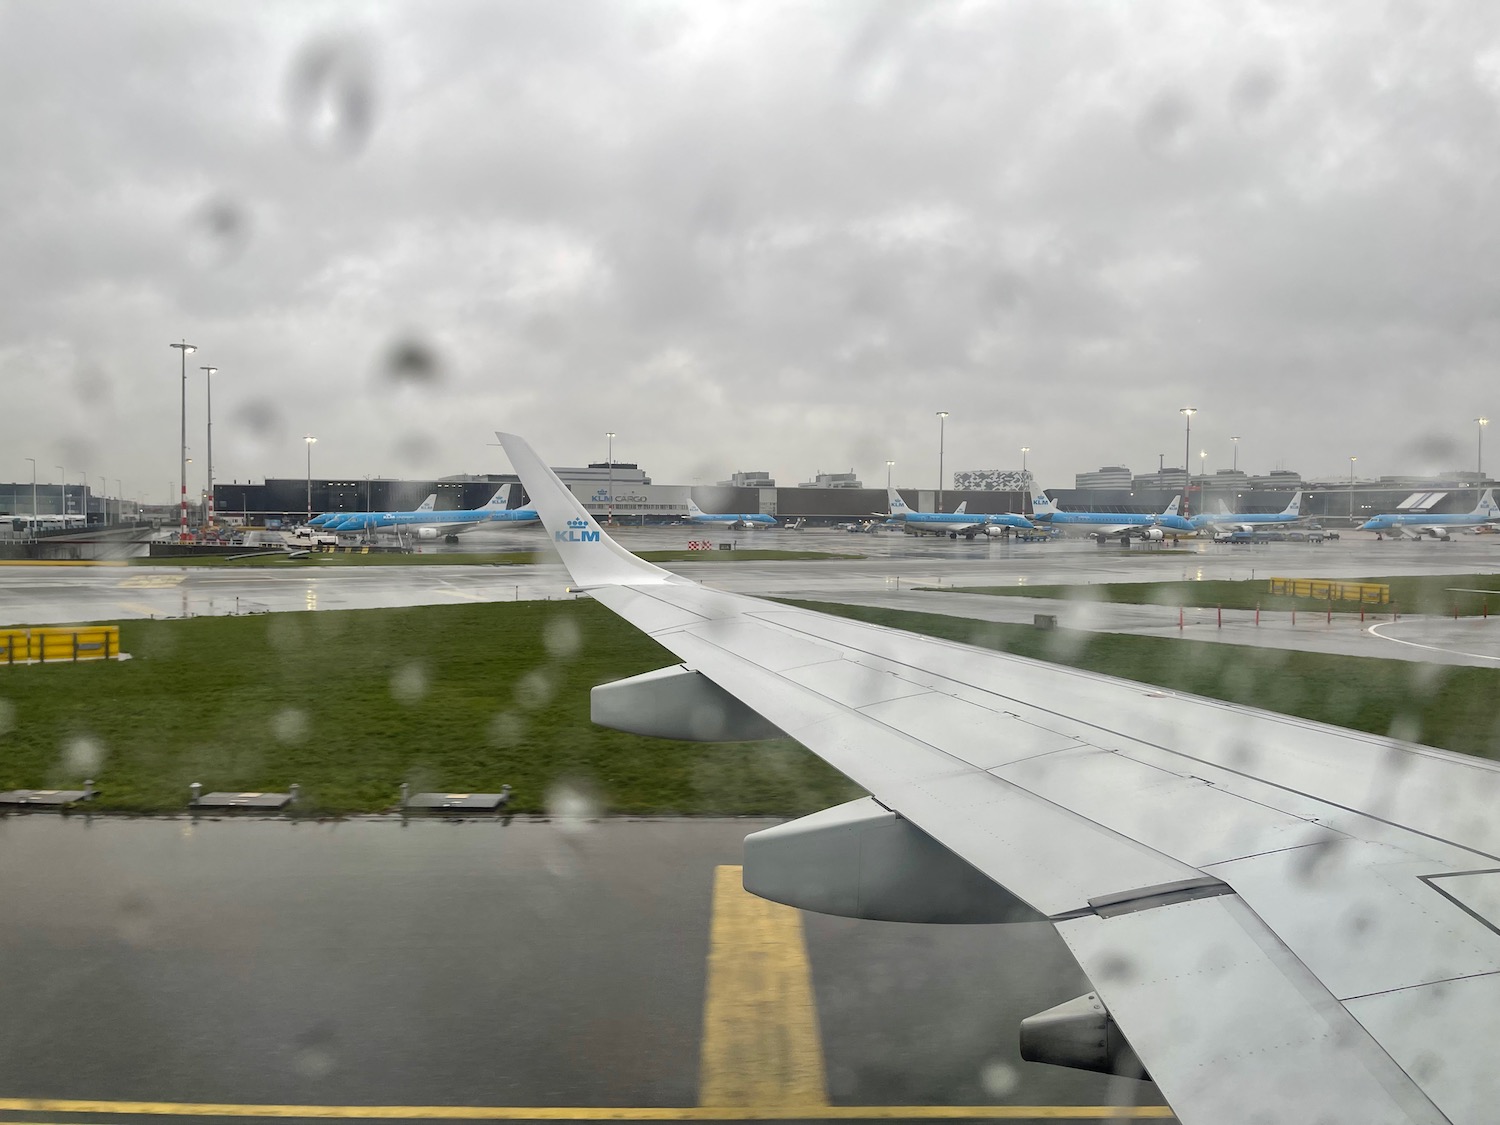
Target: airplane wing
[(1288, 921)]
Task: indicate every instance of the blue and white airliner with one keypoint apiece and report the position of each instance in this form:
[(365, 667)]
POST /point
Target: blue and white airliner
[(955, 523), (1104, 526), (1419, 524), (1226, 520), (327, 518), (435, 525), (728, 519)]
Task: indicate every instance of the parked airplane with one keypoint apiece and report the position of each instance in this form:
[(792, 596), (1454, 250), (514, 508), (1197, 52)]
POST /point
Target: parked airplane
[(327, 518), (955, 523), (1104, 526), (1282, 920), (1418, 524), (1226, 520), (728, 519), (445, 525)]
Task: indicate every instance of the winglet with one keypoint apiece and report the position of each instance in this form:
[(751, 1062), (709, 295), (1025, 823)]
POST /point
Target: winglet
[(591, 556)]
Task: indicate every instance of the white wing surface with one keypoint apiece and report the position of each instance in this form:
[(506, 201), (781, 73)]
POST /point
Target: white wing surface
[(1289, 922)]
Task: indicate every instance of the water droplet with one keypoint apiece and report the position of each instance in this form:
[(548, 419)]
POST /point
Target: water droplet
[(409, 684), (999, 1079), (571, 806), (218, 231), (413, 362), (290, 725), (506, 729), (533, 690), (82, 756), (331, 95), (562, 638)]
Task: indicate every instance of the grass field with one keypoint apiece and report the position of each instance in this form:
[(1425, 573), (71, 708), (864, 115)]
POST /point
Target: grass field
[(466, 698), (477, 558), (1468, 594), (1457, 708)]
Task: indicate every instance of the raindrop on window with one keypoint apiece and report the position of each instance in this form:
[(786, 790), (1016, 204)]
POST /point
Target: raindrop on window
[(330, 96)]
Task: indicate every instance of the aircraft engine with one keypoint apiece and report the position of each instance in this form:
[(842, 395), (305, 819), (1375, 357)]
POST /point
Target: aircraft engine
[(996, 531), (1152, 534), (427, 533), (1081, 1034)]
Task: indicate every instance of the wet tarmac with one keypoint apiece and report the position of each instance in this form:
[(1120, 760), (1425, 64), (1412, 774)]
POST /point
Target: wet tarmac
[(536, 964)]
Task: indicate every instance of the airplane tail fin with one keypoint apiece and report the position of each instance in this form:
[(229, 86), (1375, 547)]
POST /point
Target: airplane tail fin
[(1294, 509), (897, 505), (1486, 506), (1174, 507), (1040, 505), (429, 504), (591, 556), (498, 500), (693, 509), (1224, 508), (961, 509)]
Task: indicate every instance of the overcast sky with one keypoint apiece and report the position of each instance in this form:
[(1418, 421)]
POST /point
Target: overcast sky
[(748, 235)]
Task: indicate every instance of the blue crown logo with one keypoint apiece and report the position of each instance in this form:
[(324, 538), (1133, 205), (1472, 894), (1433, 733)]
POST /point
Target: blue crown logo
[(578, 523)]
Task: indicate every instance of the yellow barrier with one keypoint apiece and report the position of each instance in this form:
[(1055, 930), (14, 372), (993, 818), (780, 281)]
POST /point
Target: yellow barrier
[(69, 643), (1369, 593)]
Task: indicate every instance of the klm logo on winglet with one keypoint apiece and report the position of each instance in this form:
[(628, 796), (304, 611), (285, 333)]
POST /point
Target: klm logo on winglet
[(577, 533)]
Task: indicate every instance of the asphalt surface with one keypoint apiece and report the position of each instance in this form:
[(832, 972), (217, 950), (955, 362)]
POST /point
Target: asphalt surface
[(555, 964)]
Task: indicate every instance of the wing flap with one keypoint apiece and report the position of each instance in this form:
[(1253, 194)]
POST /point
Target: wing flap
[(1218, 1008)]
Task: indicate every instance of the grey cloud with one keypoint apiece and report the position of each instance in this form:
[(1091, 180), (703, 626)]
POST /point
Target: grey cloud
[(736, 234)]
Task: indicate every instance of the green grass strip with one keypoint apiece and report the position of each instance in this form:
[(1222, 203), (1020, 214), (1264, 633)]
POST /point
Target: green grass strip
[(349, 704)]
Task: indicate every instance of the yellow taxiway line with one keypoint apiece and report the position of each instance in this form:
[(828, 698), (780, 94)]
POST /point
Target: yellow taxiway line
[(599, 1113), (761, 1045)]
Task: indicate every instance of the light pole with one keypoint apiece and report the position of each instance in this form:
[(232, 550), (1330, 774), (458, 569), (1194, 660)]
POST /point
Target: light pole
[(1479, 462), (119, 500), (1351, 490), (942, 426), (33, 494), (182, 532), (208, 383), (1187, 446), (64, 488), (1025, 449), (311, 441), (104, 500), (1236, 465), (1202, 469), (889, 465), (610, 457)]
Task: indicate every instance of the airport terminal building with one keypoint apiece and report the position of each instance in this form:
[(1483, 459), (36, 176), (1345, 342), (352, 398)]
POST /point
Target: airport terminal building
[(626, 492)]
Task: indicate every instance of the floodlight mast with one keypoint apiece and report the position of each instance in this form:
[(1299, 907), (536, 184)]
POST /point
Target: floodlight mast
[(208, 383), (310, 442), (1187, 457), (182, 521), (942, 416)]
